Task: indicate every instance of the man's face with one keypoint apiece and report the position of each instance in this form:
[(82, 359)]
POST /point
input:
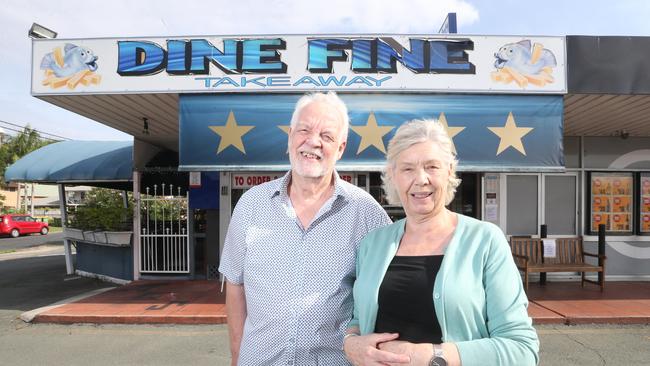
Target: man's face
[(316, 141)]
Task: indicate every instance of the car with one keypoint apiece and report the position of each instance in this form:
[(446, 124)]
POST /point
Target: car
[(18, 224)]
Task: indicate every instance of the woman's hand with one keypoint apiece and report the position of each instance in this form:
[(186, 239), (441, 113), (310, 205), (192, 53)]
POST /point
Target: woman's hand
[(419, 353), (364, 350)]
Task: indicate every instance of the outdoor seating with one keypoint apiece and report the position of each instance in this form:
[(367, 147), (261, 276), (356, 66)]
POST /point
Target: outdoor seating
[(569, 256)]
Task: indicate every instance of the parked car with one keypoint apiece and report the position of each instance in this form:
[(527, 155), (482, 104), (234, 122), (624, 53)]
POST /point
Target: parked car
[(16, 225)]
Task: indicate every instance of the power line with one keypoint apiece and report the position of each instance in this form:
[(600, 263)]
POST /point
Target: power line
[(21, 131), (39, 132)]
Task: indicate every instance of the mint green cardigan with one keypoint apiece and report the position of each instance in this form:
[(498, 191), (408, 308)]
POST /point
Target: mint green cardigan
[(478, 295)]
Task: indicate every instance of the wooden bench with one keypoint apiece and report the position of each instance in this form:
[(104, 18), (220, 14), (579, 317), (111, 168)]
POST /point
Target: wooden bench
[(529, 257)]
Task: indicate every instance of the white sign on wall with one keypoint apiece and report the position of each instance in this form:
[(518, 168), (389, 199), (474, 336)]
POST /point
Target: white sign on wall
[(435, 63)]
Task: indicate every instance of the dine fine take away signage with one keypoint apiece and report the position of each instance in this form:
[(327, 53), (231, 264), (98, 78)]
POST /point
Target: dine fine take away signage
[(443, 63)]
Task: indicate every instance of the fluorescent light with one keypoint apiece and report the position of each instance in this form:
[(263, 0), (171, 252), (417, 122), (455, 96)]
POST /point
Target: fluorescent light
[(38, 31)]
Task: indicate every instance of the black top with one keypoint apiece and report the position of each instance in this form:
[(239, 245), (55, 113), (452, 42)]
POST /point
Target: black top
[(406, 299)]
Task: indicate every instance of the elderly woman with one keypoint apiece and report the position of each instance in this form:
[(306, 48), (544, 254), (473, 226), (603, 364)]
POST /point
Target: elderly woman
[(436, 288)]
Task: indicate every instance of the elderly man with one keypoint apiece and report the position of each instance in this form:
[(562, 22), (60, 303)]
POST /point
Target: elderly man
[(289, 255)]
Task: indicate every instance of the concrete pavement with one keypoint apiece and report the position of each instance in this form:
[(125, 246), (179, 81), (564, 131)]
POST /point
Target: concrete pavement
[(28, 282)]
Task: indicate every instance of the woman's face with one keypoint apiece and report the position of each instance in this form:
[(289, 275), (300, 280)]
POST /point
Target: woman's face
[(421, 175)]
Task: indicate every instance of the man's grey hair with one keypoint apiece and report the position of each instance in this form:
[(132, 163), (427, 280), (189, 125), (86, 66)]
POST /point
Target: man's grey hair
[(415, 132), (330, 99)]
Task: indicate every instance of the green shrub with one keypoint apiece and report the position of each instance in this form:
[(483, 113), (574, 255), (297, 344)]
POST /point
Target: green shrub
[(103, 210)]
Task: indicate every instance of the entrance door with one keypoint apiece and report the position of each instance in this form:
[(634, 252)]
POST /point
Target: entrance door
[(535, 199), (164, 239), (522, 204), (560, 203)]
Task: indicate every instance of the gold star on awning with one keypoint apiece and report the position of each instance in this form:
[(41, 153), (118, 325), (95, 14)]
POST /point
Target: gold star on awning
[(510, 135), (231, 134), (451, 131), (371, 134), (285, 129)]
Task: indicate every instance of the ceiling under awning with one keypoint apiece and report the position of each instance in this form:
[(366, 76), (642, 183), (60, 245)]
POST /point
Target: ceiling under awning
[(75, 162)]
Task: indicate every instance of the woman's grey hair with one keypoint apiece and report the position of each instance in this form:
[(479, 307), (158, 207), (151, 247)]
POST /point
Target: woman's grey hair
[(415, 132), (330, 99)]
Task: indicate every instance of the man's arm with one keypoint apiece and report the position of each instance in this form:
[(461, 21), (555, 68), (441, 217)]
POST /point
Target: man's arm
[(236, 311)]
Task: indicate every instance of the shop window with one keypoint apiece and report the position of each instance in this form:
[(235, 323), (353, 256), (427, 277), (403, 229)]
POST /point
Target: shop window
[(560, 203), (611, 199), (522, 204), (644, 204)]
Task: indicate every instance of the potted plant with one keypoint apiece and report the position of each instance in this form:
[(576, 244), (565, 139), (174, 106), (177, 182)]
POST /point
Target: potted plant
[(103, 219)]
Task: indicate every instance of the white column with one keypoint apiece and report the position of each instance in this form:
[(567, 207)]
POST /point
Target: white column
[(69, 268), (136, 225)]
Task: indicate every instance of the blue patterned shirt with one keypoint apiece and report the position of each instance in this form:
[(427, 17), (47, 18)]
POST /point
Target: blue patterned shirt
[(297, 281)]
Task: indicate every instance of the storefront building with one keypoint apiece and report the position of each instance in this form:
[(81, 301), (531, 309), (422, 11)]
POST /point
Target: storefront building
[(536, 144)]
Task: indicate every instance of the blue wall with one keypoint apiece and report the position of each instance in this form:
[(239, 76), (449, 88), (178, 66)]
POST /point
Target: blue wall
[(116, 262)]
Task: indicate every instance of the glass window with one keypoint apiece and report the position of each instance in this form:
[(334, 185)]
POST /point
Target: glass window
[(521, 210), (644, 218), (560, 204), (611, 201)]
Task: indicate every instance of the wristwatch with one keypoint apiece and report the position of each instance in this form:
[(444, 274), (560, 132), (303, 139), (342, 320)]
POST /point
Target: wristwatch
[(438, 358)]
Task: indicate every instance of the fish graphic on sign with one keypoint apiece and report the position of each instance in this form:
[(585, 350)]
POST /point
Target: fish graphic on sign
[(524, 63), (71, 65)]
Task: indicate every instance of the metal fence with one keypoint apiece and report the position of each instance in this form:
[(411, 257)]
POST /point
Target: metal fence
[(164, 238)]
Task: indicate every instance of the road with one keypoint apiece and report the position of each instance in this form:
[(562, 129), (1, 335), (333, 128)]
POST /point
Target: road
[(35, 278), (27, 241)]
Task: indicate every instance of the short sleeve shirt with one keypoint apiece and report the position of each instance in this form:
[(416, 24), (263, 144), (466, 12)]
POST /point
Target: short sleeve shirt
[(297, 281)]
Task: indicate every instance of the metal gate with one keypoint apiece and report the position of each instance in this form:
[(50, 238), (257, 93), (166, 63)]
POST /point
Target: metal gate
[(164, 238)]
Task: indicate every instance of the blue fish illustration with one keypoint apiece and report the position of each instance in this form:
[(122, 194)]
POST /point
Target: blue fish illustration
[(75, 59), (518, 56)]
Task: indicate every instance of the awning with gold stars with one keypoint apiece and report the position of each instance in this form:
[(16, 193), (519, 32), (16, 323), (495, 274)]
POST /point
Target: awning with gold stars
[(489, 132)]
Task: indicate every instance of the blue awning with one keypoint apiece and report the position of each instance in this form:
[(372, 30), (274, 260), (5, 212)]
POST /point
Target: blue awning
[(491, 133), (75, 162)]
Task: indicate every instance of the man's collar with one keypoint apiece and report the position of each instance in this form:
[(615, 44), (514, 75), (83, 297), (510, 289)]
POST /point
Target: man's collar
[(283, 190)]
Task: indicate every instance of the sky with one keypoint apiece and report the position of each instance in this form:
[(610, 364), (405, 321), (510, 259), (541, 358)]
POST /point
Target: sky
[(145, 18)]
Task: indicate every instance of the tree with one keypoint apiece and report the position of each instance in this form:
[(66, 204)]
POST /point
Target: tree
[(16, 147)]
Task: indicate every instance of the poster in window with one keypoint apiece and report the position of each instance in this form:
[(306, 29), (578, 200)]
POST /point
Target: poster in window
[(621, 204), (599, 218), (645, 185), (600, 204), (645, 204), (645, 223), (620, 222), (621, 185), (600, 185), (612, 202)]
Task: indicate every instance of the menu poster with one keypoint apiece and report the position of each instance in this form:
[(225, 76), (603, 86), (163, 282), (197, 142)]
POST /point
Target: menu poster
[(620, 222), (621, 185), (600, 204), (645, 222), (622, 204), (645, 185), (600, 218), (645, 204), (600, 185), (612, 201)]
